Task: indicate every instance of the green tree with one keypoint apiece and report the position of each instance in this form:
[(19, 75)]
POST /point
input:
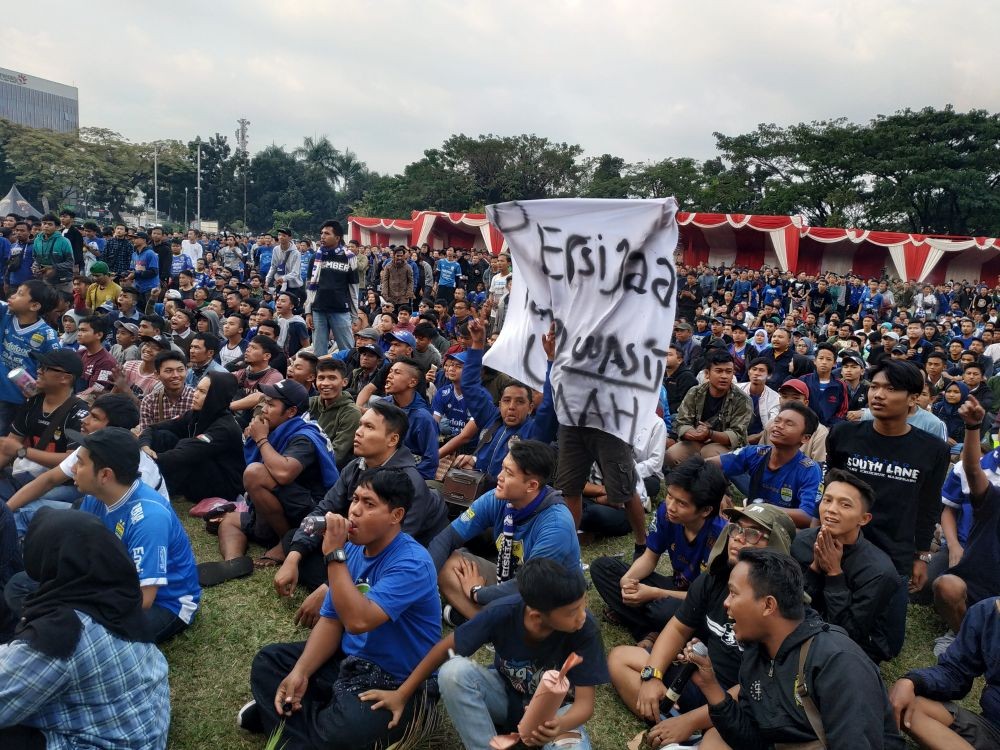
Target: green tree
[(296, 219)]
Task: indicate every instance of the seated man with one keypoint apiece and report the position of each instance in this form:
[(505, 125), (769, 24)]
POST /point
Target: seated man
[(334, 410), (171, 397), (686, 527), (203, 350), (764, 401), (422, 434), (82, 666), (641, 677), (532, 631), (714, 415), (107, 473), (378, 442), (98, 364), (849, 579), (379, 619), (971, 580), (38, 441), (923, 698), (815, 446), (108, 410), (289, 466), (779, 473), (528, 518), (798, 661)]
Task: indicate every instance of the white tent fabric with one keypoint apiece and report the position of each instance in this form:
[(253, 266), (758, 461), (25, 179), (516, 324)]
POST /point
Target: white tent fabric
[(15, 203)]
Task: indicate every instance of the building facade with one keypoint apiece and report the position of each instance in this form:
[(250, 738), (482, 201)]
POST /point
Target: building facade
[(38, 103)]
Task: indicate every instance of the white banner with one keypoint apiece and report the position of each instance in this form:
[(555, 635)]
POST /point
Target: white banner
[(603, 270)]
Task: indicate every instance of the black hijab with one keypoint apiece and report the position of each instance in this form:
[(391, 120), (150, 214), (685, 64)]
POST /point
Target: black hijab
[(217, 400), (79, 565)]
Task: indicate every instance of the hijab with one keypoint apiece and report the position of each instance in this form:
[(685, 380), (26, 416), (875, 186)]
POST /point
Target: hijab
[(948, 413), (220, 395), (79, 565), (754, 343)]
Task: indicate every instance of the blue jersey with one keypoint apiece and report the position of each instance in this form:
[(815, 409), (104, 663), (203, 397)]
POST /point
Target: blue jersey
[(448, 272), (153, 536), (450, 408), (147, 260), (794, 485), (772, 295), (955, 490), (687, 558), (19, 264), (180, 263), (264, 255), (204, 280), (402, 581), (18, 344)]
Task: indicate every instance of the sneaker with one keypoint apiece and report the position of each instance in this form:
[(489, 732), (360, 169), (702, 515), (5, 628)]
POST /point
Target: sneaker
[(452, 617), (249, 719), (941, 643)]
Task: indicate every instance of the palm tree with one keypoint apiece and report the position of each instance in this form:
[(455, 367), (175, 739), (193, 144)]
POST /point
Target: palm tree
[(349, 168), (321, 154)]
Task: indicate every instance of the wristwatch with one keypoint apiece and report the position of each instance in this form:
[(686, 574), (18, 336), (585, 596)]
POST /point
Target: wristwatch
[(338, 555), (22, 452), (926, 557), (474, 592), (650, 672)]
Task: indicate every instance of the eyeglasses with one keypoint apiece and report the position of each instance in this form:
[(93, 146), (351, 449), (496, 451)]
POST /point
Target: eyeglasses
[(749, 534), (43, 368)]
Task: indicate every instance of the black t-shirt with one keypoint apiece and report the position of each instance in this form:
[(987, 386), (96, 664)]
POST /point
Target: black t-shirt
[(522, 662), (818, 301), (310, 478), (703, 611), (31, 421), (906, 473), (978, 566), (712, 407)]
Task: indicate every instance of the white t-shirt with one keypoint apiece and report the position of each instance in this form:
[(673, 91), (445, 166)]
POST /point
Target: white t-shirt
[(227, 355), (149, 472), (193, 250), (498, 288)]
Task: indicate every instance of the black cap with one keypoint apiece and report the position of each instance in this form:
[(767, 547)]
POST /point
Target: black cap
[(370, 349), (900, 349), (288, 391), (739, 327), (60, 359), (116, 447), (849, 355), (141, 236), (160, 340)]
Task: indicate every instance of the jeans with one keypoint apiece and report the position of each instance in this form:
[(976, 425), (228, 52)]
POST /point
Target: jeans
[(61, 498), (476, 699), (337, 323), (161, 623)]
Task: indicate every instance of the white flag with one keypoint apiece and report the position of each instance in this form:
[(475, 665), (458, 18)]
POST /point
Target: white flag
[(603, 270)]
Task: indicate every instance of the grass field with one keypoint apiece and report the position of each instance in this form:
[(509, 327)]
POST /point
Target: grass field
[(210, 662)]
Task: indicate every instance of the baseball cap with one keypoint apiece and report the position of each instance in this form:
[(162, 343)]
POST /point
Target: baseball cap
[(796, 385), (368, 333), (404, 336), (289, 392), (116, 447), (159, 340), (739, 327), (457, 356), (370, 349), (130, 327), (850, 355), (772, 518), (60, 359), (100, 267), (682, 326), (172, 294), (141, 236), (891, 335), (900, 349)]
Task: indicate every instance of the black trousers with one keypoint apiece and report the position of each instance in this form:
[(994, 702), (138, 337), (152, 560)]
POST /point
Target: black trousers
[(329, 719), (312, 569), (22, 738), (606, 573), (190, 480)]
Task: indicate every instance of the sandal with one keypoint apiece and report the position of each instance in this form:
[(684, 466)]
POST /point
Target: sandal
[(610, 616), (266, 561), (648, 641)]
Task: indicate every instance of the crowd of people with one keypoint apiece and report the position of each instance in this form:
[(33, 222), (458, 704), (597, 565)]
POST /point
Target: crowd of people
[(821, 458)]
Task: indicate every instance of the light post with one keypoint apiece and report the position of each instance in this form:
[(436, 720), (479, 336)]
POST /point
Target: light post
[(186, 224)]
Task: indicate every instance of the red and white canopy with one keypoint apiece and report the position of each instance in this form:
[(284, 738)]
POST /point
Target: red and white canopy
[(379, 232), (437, 228)]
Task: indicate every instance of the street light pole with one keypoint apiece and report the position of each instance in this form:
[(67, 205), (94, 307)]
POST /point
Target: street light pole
[(156, 192), (186, 224), (197, 213)]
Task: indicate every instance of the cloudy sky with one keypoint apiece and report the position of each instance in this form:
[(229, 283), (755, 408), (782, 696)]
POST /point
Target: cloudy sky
[(390, 78)]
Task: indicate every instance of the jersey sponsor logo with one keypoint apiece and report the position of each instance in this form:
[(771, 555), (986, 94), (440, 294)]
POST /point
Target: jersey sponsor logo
[(137, 555), (161, 558), (37, 339), (120, 529), (136, 514), (468, 515)]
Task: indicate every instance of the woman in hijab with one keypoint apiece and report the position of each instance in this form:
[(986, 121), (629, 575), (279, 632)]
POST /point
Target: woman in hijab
[(946, 409), (200, 453), (760, 342), (81, 664)]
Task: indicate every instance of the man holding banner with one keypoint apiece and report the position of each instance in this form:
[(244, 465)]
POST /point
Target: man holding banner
[(602, 272)]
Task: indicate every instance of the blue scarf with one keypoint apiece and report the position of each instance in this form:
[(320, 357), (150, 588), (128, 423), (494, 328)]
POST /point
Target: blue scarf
[(296, 427), (512, 517)]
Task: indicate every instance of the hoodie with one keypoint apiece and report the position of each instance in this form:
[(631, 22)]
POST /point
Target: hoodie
[(843, 682), (421, 437), (213, 321), (339, 421), (425, 518)]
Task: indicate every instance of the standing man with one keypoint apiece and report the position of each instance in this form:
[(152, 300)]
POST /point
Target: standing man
[(285, 271), (448, 272), (53, 255), (397, 279), (332, 293), (191, 246), (118, 253), (145, 267), (158, 244), (906, 467), (73, 236)]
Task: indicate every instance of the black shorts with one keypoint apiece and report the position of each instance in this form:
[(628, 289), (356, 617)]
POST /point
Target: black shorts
[(580, 448), (979, 732), (296, 501)]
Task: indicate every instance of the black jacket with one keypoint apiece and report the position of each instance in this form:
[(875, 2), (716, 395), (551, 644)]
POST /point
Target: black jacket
[(845, 685), (677, 385), (857, 600), (425, 518)]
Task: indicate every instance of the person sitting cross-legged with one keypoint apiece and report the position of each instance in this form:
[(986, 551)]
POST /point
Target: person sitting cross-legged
[(82, 670), (531, 631), (801, 680), (686, 527), (528, 519), (849, 579), (380, 618), (289, 466)]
